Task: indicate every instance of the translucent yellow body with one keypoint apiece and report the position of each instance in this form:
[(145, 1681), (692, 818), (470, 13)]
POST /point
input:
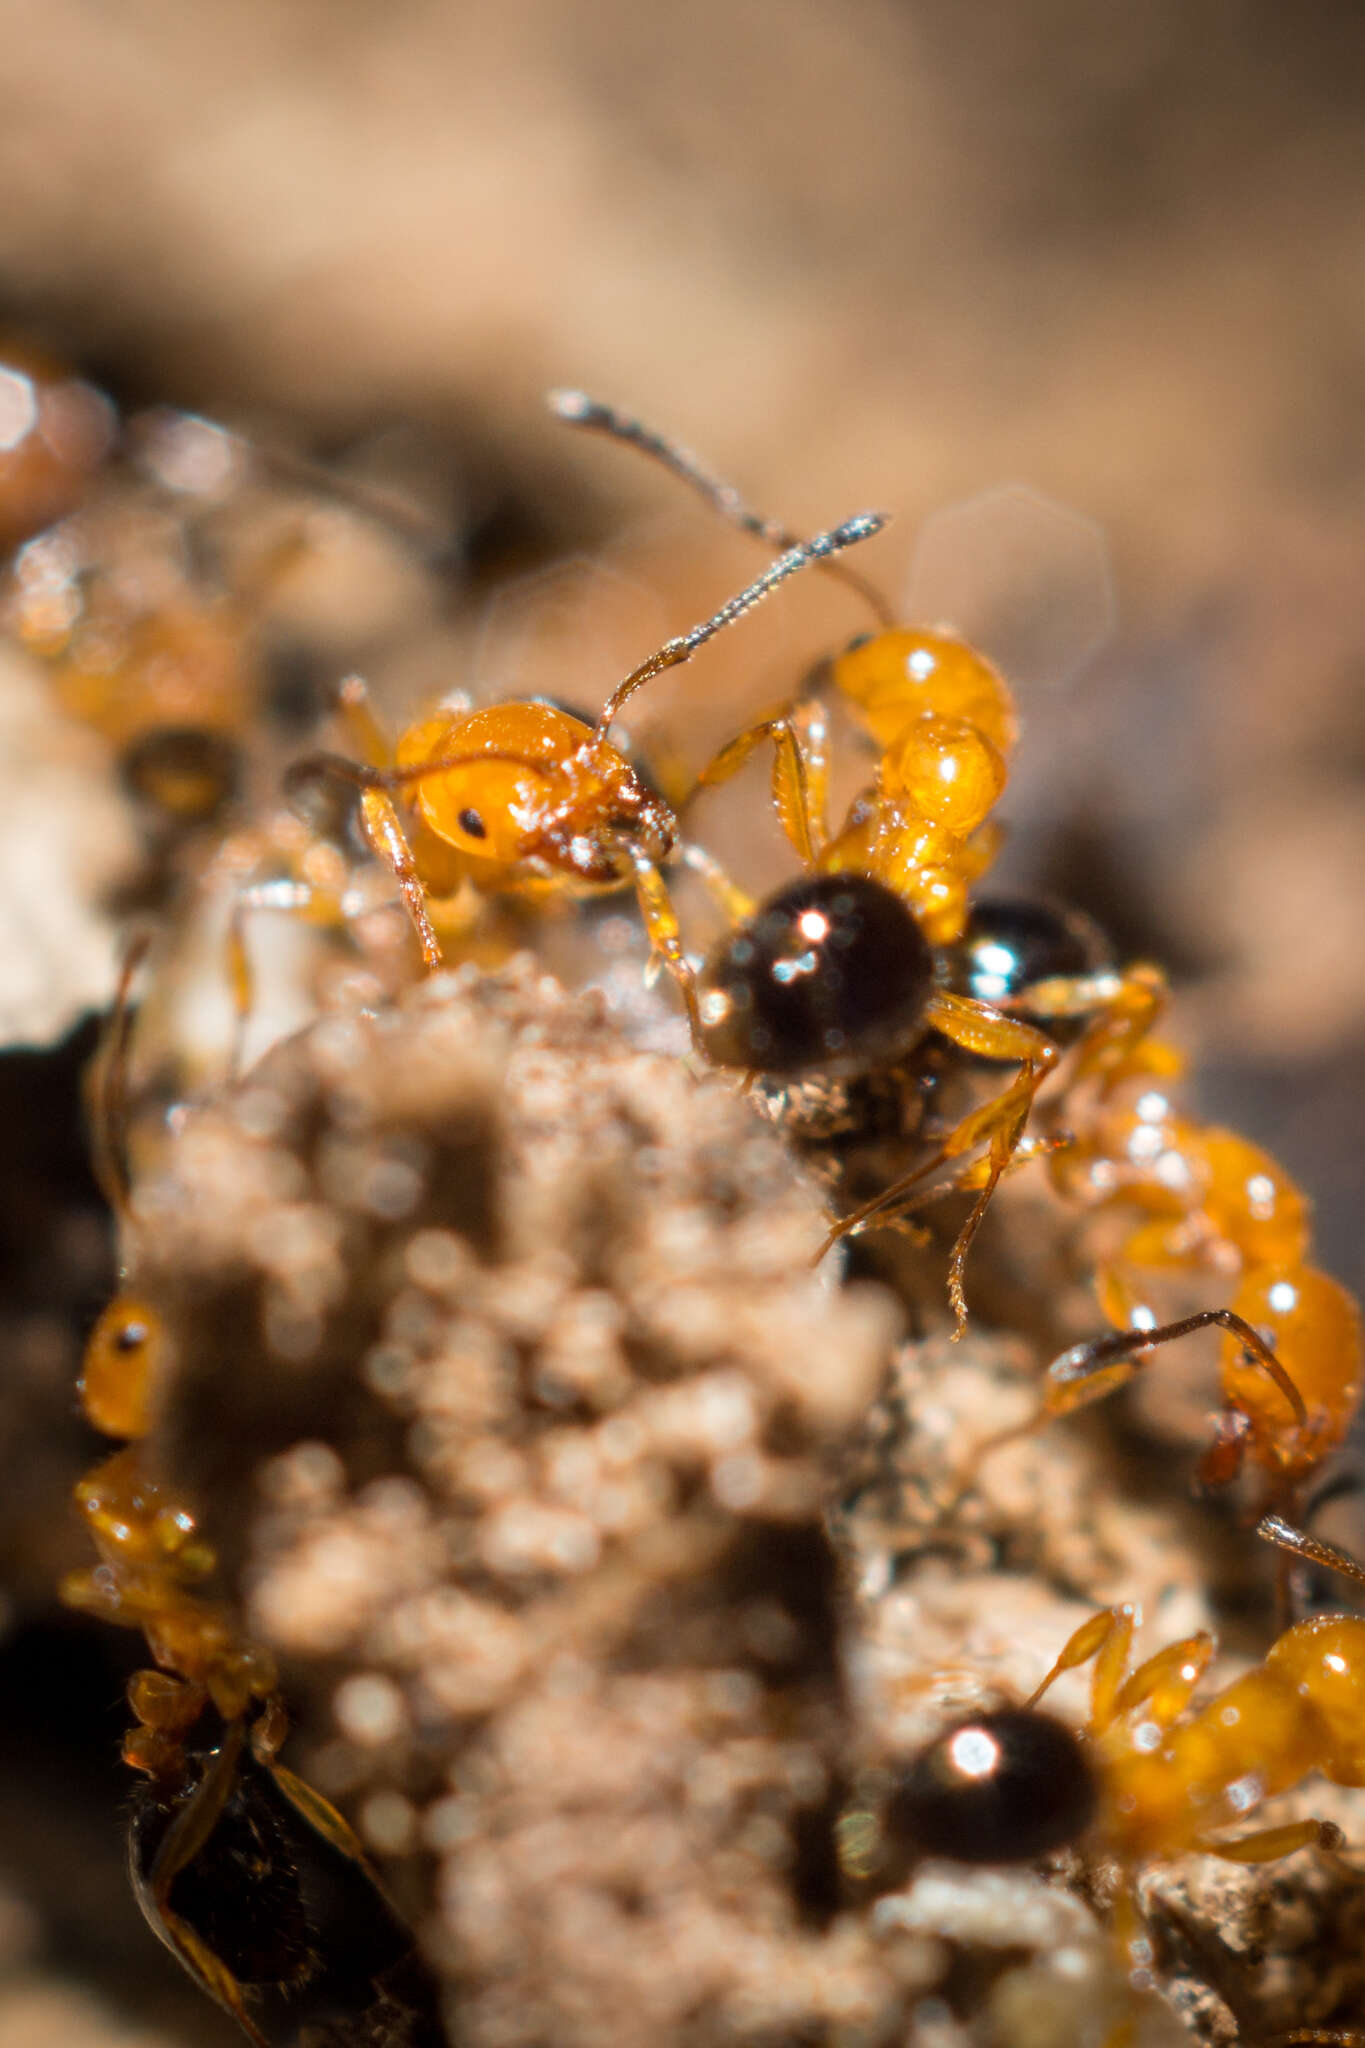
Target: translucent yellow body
[(945, 722), (1198, 1199), (152, 1555), (1173, 1776)]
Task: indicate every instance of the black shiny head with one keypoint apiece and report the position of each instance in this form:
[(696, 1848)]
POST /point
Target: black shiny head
[(1012, 943), (831, 974), (1004, 1787)]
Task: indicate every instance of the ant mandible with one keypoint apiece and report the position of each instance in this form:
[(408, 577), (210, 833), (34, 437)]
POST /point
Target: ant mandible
[(528, 799), (864, 966), (249, 1876)]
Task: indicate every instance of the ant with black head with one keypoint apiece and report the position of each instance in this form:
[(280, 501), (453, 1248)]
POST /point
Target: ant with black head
[(1151, 1776), (863, 991)]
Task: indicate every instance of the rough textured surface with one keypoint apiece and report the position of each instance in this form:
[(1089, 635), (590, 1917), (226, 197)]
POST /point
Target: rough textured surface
[(515, 1411), (508, 1388)]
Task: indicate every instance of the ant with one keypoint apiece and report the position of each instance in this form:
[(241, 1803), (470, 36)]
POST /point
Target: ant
[(1151, 1776), (1191, 1197), (249, 1876), (528, 799), (868, 970), (108, 522)]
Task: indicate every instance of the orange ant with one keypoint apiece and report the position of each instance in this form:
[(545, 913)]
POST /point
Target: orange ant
[(1151, 1776), (942, 718), (527, 799), (105, 587), (252, 1879), (867, 965), (1192, 1197)]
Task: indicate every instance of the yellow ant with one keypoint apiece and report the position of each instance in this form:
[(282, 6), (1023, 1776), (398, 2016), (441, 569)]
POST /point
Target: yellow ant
[(312, 1934), (857, 968), (527, 799)]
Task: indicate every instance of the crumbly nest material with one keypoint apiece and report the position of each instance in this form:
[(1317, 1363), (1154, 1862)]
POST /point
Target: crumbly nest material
[(610, 1549)]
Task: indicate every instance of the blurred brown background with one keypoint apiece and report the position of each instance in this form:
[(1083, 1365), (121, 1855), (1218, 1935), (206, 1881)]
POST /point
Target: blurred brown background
[(861, 254)]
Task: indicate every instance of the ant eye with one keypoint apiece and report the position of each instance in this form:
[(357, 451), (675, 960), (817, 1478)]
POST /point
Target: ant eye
[(473, 824), (1006, 1787), (831, 972)]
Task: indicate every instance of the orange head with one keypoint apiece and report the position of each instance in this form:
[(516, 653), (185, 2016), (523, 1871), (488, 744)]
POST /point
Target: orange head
[(522, 784)]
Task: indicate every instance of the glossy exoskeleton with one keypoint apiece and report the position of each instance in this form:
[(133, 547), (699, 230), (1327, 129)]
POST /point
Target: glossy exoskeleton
[(256, 1885), (1004, 1787), (1155, 1774), (873, 1046)]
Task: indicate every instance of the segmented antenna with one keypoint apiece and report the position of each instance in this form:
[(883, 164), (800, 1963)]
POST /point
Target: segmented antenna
[(801, 555), (1274, 1529), (577, 409)]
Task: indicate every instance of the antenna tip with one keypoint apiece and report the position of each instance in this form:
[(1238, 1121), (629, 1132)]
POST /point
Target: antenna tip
[(573, 406)]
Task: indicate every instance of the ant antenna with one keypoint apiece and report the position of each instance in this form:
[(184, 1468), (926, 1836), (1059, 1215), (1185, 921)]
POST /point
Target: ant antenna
[(1274, 1529), (577, 409), (109, 1085), (799, 556)]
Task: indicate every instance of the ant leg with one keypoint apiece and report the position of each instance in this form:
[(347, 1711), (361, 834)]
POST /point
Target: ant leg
[(1090, 1371), (322, 908), (665, 936), (1166, 1683), (800, 773), (1267, 1845), (737, 903), (384, 831), (1108, 1638), (362, 728), (1273, 1528), (182, 1842), (320, 1815), (1119, 1042), (997, 1124), (1332, 2037)]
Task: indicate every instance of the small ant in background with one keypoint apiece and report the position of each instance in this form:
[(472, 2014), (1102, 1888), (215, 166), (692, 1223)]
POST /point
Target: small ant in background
[(529, 800), (250, 1877), (868, 970), (1150, 1777), (129, 582)]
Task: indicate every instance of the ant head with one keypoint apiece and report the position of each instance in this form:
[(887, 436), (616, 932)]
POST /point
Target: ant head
[(832, 973), (123, 1368), (487, 773), (1003, 1787)]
